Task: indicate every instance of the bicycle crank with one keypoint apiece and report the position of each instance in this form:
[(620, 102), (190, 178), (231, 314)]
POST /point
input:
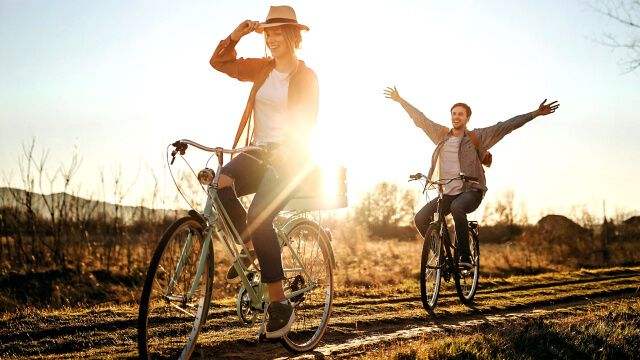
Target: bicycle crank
[(297, 284)]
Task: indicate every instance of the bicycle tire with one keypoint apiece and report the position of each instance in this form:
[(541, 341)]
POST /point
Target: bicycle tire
[(431, 268), (169, 322), (313, 308), (467, 280)]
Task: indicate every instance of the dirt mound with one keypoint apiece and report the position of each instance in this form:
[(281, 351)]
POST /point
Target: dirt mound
[(633, 221), (558, 226), (558, 241)]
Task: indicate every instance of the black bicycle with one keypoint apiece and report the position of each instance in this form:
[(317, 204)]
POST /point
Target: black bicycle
[(439, 253)]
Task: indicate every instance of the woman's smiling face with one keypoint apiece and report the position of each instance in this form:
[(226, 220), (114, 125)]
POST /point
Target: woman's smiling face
[(276, 42)]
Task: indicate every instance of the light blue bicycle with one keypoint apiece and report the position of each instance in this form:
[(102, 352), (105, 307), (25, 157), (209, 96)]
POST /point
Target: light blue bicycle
[(174, 305)]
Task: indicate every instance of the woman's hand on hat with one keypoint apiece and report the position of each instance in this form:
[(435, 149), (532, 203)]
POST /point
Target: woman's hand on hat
[(245, 27), (392, 93)]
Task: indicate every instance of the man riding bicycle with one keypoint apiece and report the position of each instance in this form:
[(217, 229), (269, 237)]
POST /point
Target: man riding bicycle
[(459, 150)]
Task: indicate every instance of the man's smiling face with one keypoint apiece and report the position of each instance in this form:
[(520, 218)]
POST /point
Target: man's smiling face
[(459, 118)]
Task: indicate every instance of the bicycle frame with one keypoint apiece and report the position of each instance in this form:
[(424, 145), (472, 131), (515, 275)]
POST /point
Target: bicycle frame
[(217, 221), (438, 263), (440, 219)]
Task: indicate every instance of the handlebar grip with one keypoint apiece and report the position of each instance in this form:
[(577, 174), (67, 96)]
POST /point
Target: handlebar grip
[(415, 176), (180, 147)]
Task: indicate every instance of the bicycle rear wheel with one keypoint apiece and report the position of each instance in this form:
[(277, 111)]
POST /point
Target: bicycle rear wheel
[(309, 243), (467, 281), (431, 268), (174, 300)]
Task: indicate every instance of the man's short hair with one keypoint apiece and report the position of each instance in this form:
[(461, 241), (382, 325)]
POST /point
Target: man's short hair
[(466, 107)]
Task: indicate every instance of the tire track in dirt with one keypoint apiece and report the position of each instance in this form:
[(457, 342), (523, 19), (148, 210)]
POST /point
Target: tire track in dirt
[(627, 273)]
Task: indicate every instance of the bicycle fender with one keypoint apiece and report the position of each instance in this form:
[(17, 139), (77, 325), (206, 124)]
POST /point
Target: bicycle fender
[(198, 217)]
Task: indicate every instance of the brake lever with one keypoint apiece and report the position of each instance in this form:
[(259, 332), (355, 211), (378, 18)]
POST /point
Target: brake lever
[(179, 147), (173, 156)]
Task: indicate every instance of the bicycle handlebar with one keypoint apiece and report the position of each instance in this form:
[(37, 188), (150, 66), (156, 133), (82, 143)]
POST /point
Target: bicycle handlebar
[(182, 145), (462, 177)]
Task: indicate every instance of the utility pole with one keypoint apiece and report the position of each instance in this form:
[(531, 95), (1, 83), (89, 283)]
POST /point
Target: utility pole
[(605, 235)]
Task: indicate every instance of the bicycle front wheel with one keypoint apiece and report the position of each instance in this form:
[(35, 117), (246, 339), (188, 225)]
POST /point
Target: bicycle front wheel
[(308, 264), (467, 281), (176, 294), (431, 268)]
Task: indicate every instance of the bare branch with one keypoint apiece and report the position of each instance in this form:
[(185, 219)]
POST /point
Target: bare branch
[(627, 14)]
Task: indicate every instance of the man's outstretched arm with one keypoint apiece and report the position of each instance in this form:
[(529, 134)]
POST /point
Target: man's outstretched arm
[(434, 131), (489, 136)]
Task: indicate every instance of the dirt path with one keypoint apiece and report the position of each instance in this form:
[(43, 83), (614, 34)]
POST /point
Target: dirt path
[(357, 322), (360, 345)]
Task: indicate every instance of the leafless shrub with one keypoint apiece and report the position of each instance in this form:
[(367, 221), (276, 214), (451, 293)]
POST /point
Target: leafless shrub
[(384, 209)]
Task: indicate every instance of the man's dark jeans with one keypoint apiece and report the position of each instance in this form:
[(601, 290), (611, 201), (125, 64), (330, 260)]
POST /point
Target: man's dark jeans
[(459, 206)]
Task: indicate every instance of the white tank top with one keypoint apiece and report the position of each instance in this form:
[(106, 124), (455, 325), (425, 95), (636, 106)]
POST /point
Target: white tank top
[(270, 109)]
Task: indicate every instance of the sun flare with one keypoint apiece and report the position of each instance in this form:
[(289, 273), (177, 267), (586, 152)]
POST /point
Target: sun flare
[(332, 171)]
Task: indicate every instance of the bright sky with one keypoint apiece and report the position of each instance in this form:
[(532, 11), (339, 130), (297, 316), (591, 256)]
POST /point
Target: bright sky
[(119, 80)]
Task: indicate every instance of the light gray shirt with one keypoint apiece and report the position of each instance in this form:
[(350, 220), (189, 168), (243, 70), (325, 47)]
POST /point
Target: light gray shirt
[(450, 165)]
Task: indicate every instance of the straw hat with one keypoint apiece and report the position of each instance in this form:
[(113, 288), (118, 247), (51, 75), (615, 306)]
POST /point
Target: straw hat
[(280, 15)]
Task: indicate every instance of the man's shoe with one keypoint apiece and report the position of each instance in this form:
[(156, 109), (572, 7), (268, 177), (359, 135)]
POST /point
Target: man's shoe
[(281, 317), (232, 275), (465, 262)]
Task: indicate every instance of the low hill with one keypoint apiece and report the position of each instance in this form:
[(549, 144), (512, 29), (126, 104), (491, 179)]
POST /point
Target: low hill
[(72, 205)]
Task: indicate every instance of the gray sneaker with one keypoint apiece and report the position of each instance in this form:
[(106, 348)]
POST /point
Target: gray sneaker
[(281, 317), (232, 275)]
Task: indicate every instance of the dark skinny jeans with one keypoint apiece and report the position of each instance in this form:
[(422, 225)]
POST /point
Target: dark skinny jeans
[(256, 224), (459, 206)]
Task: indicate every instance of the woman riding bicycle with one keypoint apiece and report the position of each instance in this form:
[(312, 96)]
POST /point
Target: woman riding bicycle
[(280, 115)]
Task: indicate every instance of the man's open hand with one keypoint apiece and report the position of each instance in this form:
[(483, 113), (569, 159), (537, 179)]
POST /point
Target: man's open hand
[(546, 109), (392, 93)]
